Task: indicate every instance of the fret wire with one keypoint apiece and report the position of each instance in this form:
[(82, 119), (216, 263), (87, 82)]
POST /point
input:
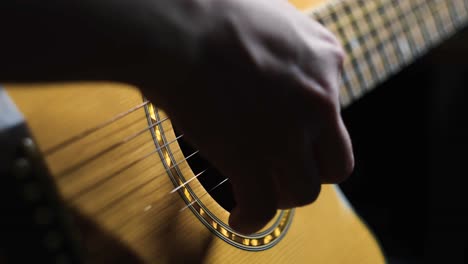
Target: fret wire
[(400, 32), (380, 47), (457, 12), (345, 97), (353, 48), (444, 27), (394, 39), (391, 43), (373, 58), (347, 44), (346, 8), (373, 32), (465, 3), (464, 9), (372, 66), (415, 33), (341, 34), (403, 15), (421, 21), (425, 24), (449, 13), (454, 13), (454, 26), (446, 16), (431, 23), (367, 39), (461, 10), (364, 37), (437, 19), (369, 72), (410, 46), (379, 36), (383, 37)]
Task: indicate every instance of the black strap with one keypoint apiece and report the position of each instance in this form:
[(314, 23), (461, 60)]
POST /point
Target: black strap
[(33, 225)]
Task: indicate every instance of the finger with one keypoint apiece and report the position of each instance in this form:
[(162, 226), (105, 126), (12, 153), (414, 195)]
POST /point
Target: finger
[(255, 200), (298, 184), (334, 152)]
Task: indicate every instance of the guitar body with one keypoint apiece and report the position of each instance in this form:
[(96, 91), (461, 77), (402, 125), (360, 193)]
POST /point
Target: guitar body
[(119, 186)]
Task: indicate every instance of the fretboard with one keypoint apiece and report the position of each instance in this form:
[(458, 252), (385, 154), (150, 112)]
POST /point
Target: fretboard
[(381, 37)]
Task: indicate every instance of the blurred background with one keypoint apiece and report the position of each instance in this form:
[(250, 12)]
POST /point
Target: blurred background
[(410, 137)]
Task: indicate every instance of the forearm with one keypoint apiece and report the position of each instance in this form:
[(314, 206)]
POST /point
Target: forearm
[(87, 39)]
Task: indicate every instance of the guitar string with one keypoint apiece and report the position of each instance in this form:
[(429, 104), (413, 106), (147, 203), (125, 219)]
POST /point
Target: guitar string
[(132, 217), (139, 187), (367, 33), (105, 179), (198, 175), (199, 197), (68, 171), (125, 140), (76, 167), (102, 181), (187, 182), (89, 131), (129, 218)]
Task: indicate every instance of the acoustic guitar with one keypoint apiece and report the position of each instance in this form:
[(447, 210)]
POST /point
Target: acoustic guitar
[(107, 178)]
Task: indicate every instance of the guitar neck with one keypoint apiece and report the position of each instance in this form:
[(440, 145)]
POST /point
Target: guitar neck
[(381, 37)]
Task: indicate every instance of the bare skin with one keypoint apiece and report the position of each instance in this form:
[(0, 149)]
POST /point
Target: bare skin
[(224, 70)]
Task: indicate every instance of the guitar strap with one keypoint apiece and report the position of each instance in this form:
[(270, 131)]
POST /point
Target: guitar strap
[(34, 227)]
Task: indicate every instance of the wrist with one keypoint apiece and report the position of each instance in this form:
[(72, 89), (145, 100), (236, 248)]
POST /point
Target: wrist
[(168, 38)]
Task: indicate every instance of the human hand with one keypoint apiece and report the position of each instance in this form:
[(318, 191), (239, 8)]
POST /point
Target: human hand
[(261, 104)]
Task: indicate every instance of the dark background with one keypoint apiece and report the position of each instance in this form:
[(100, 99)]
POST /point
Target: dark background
[(410, 138)]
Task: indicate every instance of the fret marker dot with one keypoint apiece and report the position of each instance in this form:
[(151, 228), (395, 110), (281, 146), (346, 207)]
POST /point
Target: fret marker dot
[(404, 46), (354, 44)]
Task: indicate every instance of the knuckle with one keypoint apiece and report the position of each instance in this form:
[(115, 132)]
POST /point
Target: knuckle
[(332, 39), (340, 173), (348, 168), (340, 54), (308, 197), (336, 49)]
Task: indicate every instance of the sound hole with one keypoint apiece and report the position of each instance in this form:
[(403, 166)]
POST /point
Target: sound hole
[(210, 178)]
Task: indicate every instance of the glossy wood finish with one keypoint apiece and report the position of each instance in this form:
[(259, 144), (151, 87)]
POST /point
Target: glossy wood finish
[(105, 178)]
